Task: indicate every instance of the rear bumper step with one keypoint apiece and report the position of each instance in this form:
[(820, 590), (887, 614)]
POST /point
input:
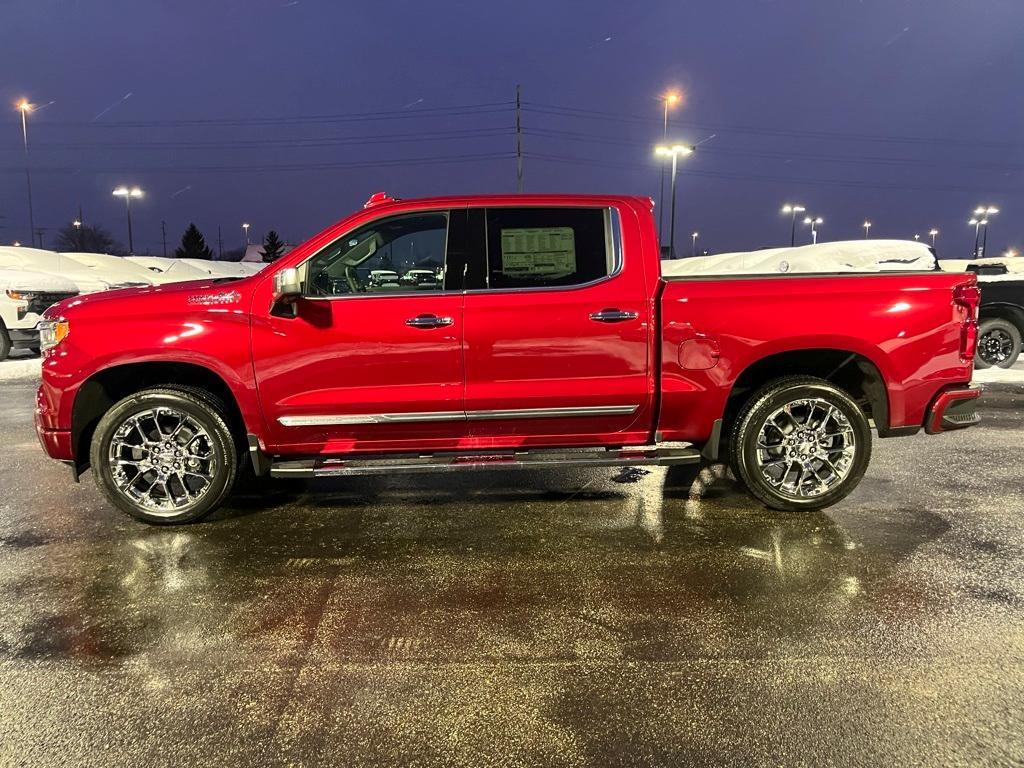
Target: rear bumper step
[(459, 461), (954, 408)]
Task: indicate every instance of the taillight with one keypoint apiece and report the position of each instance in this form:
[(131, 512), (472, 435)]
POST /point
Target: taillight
[(967, 298)]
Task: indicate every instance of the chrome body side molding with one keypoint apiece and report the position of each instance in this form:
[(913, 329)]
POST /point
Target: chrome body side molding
[(325, 420)]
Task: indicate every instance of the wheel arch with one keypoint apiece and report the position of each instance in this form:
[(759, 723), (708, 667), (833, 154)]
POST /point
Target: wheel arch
[(109, 385), (1012, 313), (852, 371)]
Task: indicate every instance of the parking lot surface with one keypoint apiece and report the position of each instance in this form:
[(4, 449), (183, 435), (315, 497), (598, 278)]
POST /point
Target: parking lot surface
[(594, 617)]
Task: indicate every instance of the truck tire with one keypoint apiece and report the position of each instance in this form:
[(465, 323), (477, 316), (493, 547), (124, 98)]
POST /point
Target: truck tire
[(998, 344), (5, 342), (800, 443), (165, 455)]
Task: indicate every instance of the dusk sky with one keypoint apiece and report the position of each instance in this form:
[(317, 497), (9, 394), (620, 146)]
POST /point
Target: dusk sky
[(289, 113)]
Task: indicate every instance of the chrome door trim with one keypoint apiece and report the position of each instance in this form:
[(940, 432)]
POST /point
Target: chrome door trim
[(324, 420), (553, 413)]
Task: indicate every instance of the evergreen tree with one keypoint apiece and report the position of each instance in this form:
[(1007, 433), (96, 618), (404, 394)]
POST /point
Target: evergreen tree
[(193, 245), (86, 239), (273, 247)]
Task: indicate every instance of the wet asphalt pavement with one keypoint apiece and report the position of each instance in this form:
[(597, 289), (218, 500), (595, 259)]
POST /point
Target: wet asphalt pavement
[(545, 618)]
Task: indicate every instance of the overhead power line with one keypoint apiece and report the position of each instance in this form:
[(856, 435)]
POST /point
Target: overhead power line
[(592, 114), (399, 114), (775, 155), (301, 143), (405, 161), (791, 180)]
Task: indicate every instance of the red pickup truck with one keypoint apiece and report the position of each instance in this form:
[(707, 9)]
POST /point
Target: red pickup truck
[(498, 331)]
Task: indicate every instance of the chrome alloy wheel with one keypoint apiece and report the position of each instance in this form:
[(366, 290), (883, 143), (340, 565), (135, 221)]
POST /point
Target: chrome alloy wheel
[(162, 460), (806, 448), (995, 346)]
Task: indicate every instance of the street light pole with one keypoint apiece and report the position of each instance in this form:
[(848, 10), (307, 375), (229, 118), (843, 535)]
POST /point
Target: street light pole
[(669, 99), (792, 210), (933, 233), (867, 228), (693, 246), (25, 107), (128, 194), (674, 152), (814, 222), (989, 211), (245, 229)]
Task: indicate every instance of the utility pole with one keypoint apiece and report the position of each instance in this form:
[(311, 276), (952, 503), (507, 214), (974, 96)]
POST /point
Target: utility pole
[(163, 234), (519, 140)]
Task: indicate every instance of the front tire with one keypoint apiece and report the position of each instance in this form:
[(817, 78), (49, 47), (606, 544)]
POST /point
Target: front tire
[(999, 344), (165, 456), (800, 444), (5, 342)]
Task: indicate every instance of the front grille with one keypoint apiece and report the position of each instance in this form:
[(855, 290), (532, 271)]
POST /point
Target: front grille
[(42, 301)]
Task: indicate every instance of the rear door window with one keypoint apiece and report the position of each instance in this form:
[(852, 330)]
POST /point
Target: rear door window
[(547, 247)]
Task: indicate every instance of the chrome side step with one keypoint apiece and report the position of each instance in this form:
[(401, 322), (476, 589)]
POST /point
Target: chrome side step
[(482, 460)]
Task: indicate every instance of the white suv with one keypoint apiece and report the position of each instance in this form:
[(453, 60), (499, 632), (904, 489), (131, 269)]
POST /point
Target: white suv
[(24, 296)]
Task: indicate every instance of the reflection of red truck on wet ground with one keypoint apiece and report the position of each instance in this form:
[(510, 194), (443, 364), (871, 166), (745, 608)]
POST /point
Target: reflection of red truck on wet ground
[(551, 338)]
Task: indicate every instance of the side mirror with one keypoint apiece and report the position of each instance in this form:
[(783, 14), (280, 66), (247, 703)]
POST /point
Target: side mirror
[(287, 286)]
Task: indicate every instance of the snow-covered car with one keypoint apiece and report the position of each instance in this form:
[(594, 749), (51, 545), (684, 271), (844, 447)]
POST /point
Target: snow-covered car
[(117, 268), (175, 269), (219, 268), (52, 263), (24, 296)]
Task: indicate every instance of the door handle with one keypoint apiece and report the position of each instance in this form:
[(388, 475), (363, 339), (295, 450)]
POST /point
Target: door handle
[(613, 316), (428, 321)]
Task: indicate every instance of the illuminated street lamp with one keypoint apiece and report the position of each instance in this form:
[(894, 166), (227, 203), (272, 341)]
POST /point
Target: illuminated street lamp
[(25, 107), (815, 222), (917, 237), (674, 151), (792, 209), (983, 213), (933, 233), (669, 99), (245, 229), (129, 193), (693, 245), (867, 227)]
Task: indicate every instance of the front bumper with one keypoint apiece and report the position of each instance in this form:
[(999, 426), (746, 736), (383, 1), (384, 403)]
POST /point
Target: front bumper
[(24, 338), (953, 408)]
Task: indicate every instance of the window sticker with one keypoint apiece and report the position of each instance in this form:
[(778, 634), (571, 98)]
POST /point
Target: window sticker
[(538, 252)]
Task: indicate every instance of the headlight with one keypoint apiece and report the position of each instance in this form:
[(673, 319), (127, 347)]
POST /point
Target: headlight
[(52, 333), (20, 295)]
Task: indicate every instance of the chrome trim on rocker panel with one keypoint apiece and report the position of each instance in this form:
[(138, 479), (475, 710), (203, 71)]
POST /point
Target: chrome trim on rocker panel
[(323, 420)]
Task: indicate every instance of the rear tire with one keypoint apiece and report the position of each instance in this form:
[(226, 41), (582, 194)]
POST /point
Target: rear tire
[(165, 456), (800, 443), (999, 343)]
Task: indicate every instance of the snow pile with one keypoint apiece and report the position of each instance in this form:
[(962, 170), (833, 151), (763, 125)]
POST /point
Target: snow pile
[(25, 368), (841, 256)]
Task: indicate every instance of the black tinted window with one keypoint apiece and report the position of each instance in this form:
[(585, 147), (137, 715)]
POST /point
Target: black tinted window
[(547, 247)]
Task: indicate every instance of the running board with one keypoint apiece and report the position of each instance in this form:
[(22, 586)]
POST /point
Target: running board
[(456, 461)]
